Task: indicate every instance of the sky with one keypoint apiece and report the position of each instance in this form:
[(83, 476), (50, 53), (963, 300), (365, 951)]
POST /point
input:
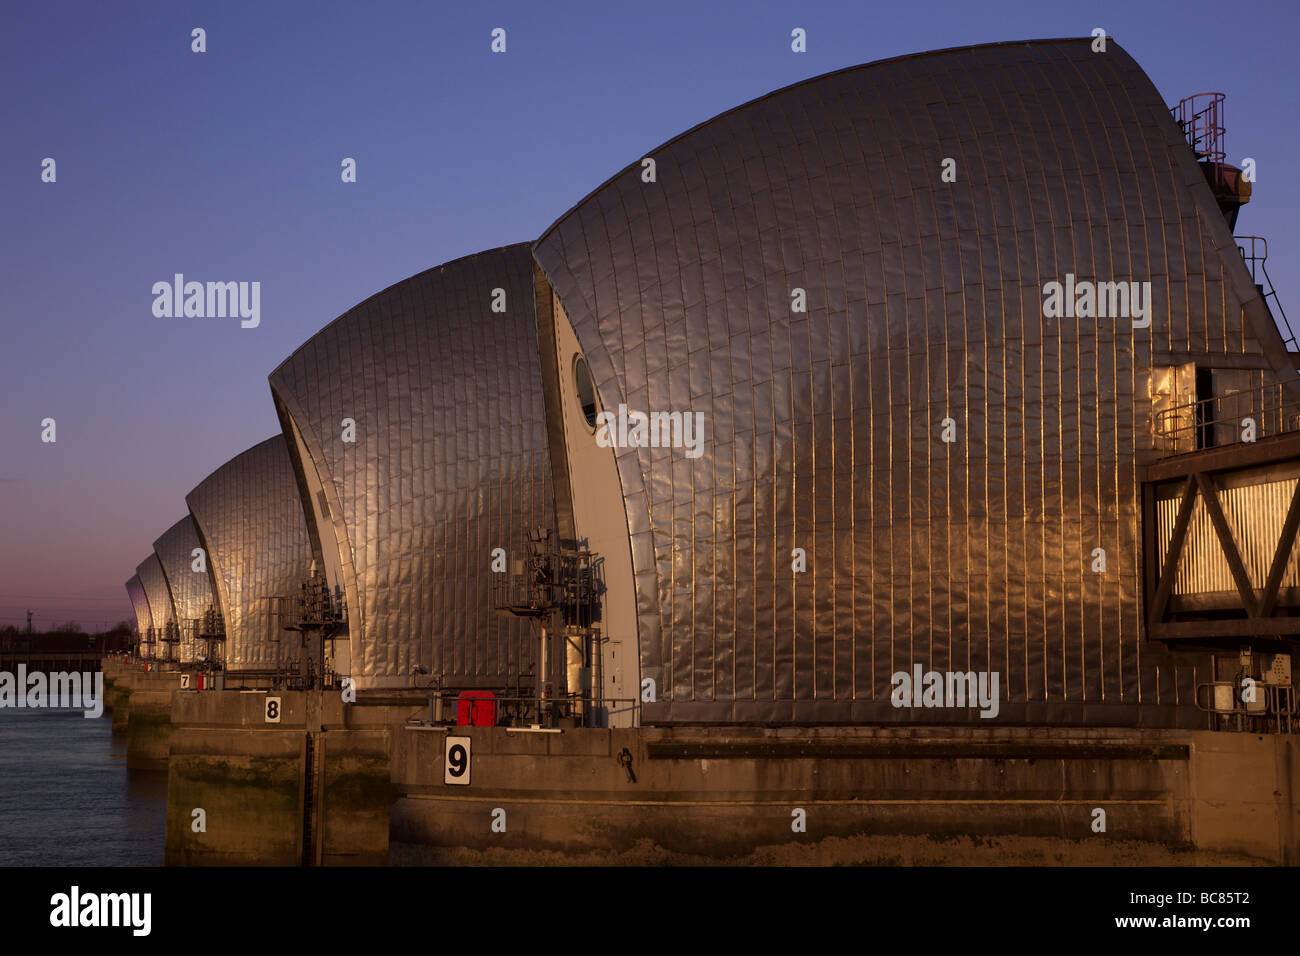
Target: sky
[(225, 166)]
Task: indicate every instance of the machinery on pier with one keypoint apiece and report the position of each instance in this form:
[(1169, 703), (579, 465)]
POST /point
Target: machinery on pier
[(318, 615), (556, 585)]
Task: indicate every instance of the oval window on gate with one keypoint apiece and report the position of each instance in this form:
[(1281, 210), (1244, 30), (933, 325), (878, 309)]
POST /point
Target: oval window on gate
[(586, 389)]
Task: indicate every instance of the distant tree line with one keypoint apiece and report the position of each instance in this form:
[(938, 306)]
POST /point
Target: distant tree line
[(67, 636)]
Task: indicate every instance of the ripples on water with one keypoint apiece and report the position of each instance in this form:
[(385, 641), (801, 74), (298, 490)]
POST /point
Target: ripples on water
[(67, 798)]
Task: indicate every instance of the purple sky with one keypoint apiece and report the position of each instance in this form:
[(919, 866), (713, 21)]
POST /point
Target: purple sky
[(225, 166)]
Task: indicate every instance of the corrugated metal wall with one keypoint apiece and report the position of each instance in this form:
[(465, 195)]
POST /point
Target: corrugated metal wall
[(1255, 514), (140, 604), (191, 590), (249, 519), (925, 302), (449, 462)]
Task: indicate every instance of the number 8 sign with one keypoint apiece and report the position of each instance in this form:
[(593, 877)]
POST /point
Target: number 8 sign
[(456, 767)]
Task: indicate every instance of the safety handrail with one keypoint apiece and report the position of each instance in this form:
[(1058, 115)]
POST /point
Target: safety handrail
[(1201, 117), (1249, 247), (1171, 424), (1277, 706)]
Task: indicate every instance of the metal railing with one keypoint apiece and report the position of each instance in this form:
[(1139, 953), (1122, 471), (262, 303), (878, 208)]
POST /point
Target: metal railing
[(545, 711), (549, 578), (1201, 118), (1272, 712), (1197, 425), (1254, 251)]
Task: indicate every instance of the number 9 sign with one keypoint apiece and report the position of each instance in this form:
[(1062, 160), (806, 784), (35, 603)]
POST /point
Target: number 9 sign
[(456, 767)]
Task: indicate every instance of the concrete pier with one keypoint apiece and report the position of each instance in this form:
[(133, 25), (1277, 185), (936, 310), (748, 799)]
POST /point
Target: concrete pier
[(924, 795), (149, 727), (291, 777), (310, 786), (140, 703), (115, 693)]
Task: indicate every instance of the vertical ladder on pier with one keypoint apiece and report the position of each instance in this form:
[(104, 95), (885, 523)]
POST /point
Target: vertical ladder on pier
[(310, 780)]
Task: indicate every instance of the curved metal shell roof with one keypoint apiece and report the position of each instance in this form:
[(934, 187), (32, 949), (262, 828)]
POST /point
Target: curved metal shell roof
[(250, 521), (140, 604), (191, 590), (161, 610), (924, 302), (449, 462)]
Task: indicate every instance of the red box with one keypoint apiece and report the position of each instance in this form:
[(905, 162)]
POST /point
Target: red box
[(476, 708)]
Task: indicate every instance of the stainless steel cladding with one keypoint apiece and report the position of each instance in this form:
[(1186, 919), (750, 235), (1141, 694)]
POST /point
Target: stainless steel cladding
[(418, 423), (161, 612), (946, 453), (190, 586), (140, 604), (250, 522)]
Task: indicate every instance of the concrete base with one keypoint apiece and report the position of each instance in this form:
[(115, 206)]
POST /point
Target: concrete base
[(1243, 794), (149, 727), (116, 700), (125, 683), (1010, 795), (334, 783), (117, 692), (313, 787), (234, 805), (140, 704)]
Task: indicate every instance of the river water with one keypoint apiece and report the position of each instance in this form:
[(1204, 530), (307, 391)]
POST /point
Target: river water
[(67, 798)]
